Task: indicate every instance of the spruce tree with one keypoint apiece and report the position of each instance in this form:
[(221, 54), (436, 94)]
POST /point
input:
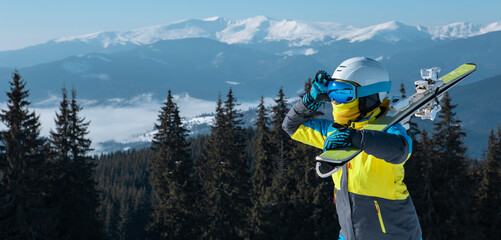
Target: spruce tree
[(172, 177), (62, 171), (59, 138), (264, 170), (418, 176), (283, 142), (449, 176), (278, 205), (237, 170), (225, 175), (263, 175), (487, 204), (209, 172), (80, 197), (25, 210)]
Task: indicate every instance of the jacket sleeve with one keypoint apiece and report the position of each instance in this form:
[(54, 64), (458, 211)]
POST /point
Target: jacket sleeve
[(394, 146), (300, 125)]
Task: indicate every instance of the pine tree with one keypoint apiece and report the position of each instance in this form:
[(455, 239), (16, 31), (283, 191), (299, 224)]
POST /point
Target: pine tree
[(172, 177), (487, 214), (209, 172), (281, 140), (225, 175), (263, 174), (279, 137), (61, 170), (276, 199), (25, 212), (449, 176), (418, 177), (60, 137), (78, 194)]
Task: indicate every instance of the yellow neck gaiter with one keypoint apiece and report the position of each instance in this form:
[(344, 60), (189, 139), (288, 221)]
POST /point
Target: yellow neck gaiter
[(343, 113)]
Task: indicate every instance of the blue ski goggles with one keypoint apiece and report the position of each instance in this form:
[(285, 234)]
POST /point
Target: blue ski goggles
[(345, 92)]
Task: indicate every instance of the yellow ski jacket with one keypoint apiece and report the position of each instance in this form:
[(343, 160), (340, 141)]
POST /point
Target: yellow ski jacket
[(371, 198)]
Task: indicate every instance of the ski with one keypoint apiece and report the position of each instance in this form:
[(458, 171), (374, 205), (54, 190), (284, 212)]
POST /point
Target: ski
[(424, 103)]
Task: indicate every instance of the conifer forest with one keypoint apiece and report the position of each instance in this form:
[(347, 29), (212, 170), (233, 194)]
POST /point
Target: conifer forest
[(234, 183)]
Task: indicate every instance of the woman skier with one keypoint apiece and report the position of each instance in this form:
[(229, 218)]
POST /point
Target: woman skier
[(371, 198)]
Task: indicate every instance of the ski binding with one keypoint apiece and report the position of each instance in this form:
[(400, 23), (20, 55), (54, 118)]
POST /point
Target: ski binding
[(429, 83)]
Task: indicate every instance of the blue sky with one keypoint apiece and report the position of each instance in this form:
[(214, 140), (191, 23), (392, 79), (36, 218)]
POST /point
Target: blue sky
[(28, 22)]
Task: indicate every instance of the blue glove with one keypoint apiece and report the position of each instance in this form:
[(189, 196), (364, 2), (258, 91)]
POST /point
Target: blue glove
[(310, 102), (319, 86), (339, 139)]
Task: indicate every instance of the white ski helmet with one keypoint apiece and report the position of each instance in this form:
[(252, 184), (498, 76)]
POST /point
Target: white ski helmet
[(363, 71)]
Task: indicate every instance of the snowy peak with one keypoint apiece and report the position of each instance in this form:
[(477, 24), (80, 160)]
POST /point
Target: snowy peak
[(212, 19), (492, 27), (392, 32), (300, 33), (462, 30), (192, 28), (105, 38), (244, 31), (454, 30)]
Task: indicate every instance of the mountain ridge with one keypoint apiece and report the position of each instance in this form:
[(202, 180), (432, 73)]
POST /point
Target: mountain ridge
[(242, 31), (203, 67), (288, 36)]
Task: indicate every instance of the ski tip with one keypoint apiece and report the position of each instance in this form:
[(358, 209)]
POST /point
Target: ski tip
[(473, 65), (325, 169)]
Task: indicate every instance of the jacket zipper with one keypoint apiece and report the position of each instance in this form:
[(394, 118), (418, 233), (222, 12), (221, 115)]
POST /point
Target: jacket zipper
[(380, 217)]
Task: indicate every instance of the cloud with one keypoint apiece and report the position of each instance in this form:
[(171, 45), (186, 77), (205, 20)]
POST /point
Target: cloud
[(233, 83), (191, 107), (120, 119), (123, 122)]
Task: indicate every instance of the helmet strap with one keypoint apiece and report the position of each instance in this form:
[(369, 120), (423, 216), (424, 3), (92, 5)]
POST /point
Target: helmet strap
[(367, 105)]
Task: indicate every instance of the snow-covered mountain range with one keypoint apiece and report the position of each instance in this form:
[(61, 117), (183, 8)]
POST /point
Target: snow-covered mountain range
[(296, 33), (281, 37)]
